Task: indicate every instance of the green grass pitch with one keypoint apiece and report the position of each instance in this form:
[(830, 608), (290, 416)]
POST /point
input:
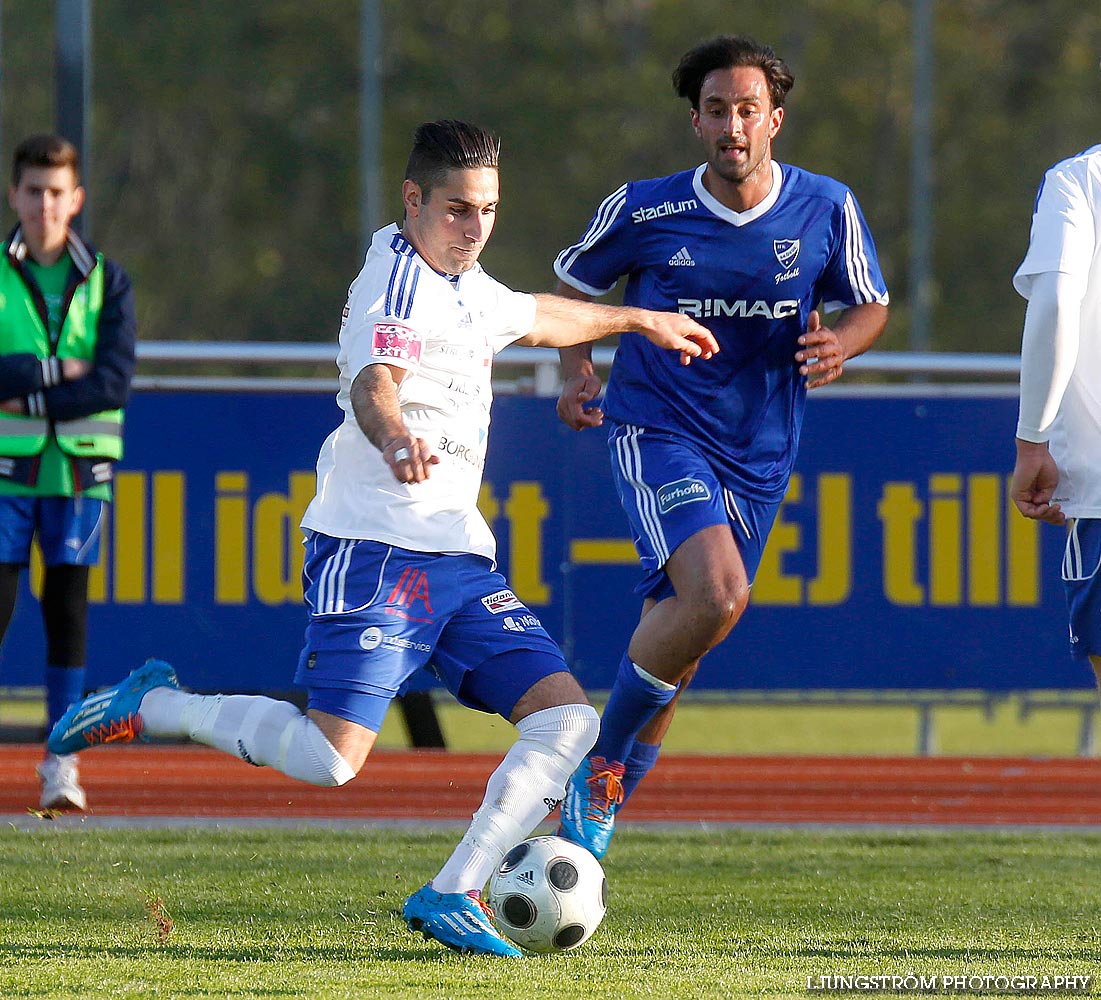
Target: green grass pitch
[(275, 912)]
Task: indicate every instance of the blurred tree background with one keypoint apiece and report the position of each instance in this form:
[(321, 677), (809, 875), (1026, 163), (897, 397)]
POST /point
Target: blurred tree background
[(225, 137)]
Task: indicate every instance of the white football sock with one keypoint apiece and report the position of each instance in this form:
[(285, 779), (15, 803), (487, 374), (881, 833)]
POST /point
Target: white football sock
[(260, 730), (526, 786)]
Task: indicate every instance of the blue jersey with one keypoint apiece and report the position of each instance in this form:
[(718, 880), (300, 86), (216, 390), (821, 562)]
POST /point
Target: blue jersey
[(752, 278)]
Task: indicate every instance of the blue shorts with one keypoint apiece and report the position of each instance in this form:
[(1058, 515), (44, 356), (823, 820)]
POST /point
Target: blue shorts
[(670, 492), (1082, 582), (378, 613), (68, 529)]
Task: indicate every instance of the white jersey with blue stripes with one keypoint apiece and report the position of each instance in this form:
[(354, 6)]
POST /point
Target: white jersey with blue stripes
[(444, 331), (752, 278)]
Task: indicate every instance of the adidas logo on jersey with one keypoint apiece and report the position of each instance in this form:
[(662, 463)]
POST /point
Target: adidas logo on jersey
[(682, 258)]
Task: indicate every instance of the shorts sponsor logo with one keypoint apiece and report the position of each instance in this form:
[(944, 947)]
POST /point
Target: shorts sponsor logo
[(410, 590), (503, 600), (371, 638), (520, 623), (392, 340), (681, 492)]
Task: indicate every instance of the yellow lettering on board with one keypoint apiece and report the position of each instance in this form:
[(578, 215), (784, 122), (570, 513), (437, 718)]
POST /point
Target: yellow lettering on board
[(984, 551), (1022, 558), (169, 537), (277, 552), (899, 510), (230, 539), (129, 549), (772, 585), (945, 540), (833, 585), (526, 510)]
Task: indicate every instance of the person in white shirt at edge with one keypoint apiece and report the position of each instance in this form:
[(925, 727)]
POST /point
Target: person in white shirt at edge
[(399, 567), (1057, 477)]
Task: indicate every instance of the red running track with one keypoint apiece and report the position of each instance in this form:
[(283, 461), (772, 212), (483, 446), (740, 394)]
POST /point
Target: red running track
[(142, 780)]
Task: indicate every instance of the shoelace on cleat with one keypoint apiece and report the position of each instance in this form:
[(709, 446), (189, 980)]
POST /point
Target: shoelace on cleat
[(605, 792), (476, 895), (120, 729)]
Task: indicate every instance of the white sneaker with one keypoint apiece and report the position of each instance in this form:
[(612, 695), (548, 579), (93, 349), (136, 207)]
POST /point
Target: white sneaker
[(60, 785)]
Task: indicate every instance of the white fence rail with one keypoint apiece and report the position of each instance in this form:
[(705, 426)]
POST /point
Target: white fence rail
[(531, 370)]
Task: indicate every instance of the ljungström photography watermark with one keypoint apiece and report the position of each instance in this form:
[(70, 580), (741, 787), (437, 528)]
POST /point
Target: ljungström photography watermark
[(988, 982)]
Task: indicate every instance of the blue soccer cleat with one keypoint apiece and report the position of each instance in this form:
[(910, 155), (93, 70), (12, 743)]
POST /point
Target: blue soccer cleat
[(593, 793), (459, 920), (111, 715)]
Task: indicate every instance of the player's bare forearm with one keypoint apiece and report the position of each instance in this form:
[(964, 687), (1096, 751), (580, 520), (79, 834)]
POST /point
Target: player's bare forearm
[(823, 350), (859, 327), (374, 396), (560, 322)]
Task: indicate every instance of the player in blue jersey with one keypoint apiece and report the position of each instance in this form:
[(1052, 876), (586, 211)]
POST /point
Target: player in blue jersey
[(701, 456)]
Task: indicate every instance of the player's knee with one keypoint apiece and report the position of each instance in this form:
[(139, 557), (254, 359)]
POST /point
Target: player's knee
[(583, 736), (719, 605), (276, 734), (565, 731), (323, 763)]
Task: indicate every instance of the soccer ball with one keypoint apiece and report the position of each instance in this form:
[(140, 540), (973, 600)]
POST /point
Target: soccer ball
[(548, 894)]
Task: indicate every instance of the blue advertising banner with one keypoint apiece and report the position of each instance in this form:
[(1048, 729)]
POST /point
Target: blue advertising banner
[(897, 560)]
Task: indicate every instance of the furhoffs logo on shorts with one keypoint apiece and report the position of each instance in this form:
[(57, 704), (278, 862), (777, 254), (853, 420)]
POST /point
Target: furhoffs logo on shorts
[(681, 492)]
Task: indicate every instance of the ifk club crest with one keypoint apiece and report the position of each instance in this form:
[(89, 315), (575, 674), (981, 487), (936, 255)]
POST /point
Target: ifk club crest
[(787, 252)]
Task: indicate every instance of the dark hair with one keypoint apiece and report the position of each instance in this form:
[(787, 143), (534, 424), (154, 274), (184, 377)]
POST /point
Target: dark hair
[(44, 151), (725, 52), (449, 145)]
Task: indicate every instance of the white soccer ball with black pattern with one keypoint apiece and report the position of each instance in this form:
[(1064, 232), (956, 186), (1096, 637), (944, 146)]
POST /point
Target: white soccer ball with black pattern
[(548, 894)]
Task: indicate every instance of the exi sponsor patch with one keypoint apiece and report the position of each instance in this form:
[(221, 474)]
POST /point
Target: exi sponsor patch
[(392, 340), (503, 600), (681, 492)]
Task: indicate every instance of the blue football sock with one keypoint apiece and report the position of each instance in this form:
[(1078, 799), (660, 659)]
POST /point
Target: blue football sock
[(639, 763), (64, 685), (631, 705)]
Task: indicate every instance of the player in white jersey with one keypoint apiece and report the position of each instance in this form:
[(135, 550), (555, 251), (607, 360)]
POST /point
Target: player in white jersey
[(702, 460), (399, 567), (1057, 477)]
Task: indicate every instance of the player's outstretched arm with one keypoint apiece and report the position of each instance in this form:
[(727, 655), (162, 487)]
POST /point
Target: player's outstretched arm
[(560, 322), (374, 396)]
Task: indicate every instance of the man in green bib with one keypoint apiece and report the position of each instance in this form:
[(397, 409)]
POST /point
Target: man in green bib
[(67, 333)]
